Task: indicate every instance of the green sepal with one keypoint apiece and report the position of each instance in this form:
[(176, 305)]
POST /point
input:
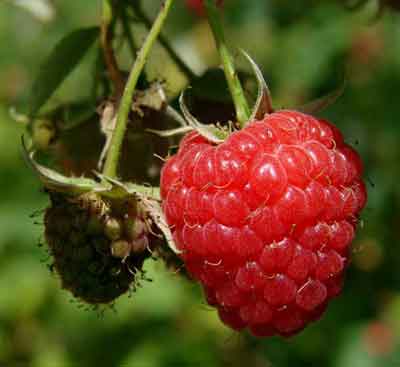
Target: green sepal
[(149, 198), (212, 133), (263, 105), (120, 190), (55, 181)]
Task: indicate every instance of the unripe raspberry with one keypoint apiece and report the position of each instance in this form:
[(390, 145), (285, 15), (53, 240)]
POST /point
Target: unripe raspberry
[(265, 219), (92, 254)]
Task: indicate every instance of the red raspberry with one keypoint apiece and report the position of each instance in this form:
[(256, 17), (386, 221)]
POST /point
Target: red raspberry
[(197, 6), (264, 220)]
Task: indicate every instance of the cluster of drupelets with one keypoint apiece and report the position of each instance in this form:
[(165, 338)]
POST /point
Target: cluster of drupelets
[(265, 220), (98, 247)]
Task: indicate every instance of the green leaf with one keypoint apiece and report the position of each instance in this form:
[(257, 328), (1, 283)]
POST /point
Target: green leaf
[(63, 59)]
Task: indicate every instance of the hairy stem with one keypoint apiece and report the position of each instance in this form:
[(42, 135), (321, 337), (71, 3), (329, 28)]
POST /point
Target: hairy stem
[(113, 154), (234, 85), (164, 42)]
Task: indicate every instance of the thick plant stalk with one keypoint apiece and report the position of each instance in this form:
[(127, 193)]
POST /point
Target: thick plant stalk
[(113, 154), (234, 85)]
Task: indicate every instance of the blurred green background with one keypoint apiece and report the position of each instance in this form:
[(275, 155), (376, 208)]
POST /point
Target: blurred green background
[(304, 49)]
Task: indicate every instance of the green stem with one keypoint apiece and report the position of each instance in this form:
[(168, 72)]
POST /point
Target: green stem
[(164, 42), (111, 165), (234, 85), (107, 12)]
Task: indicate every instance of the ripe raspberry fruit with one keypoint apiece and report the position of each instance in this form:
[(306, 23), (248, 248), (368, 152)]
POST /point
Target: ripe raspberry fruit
[(264, 220)]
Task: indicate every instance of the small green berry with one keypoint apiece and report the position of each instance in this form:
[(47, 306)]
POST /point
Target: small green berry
[(113, 229), (120, 249), (134, 227)]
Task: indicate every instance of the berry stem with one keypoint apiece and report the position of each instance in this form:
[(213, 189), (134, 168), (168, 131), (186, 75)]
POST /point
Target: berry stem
[(138, 10), (113, 154), (234, 85)]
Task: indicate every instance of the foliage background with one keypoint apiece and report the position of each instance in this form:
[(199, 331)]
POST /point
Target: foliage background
[(304, 47)]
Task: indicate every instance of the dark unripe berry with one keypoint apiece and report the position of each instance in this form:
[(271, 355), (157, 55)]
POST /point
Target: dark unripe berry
[(92, 254)]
